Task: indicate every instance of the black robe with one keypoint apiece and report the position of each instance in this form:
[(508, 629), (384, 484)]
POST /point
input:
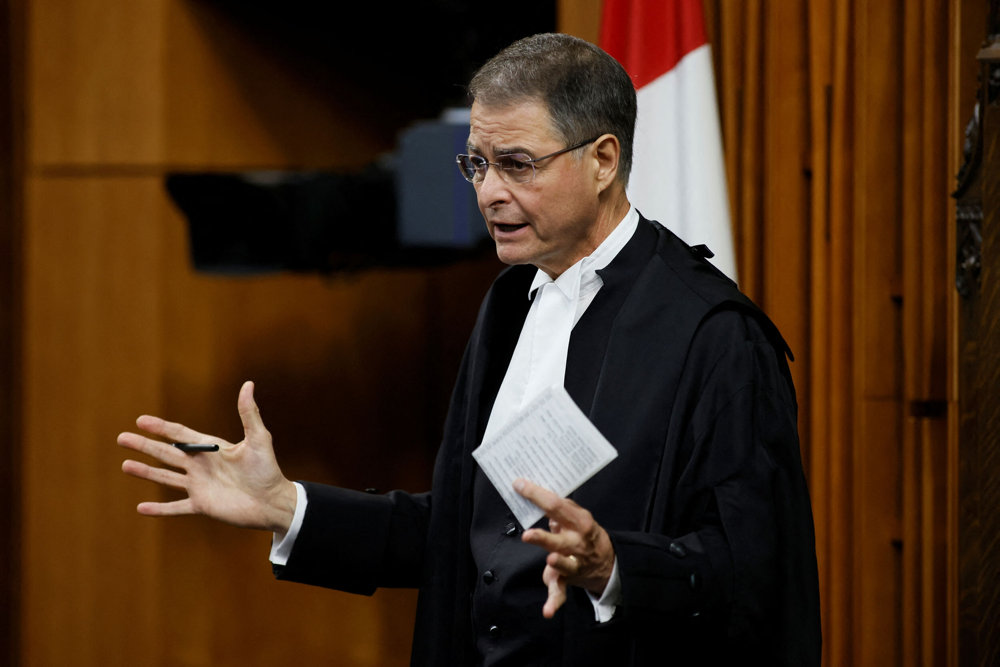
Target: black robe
[(706, 504)]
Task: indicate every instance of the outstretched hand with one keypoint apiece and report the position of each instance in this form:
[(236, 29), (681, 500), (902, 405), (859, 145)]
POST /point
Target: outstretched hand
[(241, 484), (580, 551)]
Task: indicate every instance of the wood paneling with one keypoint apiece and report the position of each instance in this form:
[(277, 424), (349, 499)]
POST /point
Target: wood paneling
[(925, 353), (854, 175), (233, 100), (837, 140), (92, 336), (353, 371), (353, 374), (11, 180), (877, 445), (95, 93), (179, 83), (581, 18)]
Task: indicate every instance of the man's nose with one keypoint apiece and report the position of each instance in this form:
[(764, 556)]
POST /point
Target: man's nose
[(493, 189)]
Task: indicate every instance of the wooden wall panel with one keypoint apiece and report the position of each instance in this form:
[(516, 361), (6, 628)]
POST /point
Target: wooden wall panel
[(837, 560), (926, 286), (353, 382), (94, 82), (90, 585), (744, 58), (784, 273), (352, 377), (353, 371), (874, 583), (233, 99), (180, 83), (827, 271), (581, 18), (11, 223), (874, 319), (877, 443)]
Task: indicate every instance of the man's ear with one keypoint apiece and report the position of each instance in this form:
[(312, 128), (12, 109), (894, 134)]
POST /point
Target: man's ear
[(608, 151)]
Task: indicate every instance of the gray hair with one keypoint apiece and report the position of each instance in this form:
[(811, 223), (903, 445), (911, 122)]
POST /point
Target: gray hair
[(586, 91)]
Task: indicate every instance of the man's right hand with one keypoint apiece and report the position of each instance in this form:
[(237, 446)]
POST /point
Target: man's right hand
[(241, 484)]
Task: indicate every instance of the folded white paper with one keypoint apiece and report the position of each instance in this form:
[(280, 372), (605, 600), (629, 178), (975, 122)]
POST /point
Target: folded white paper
[(551, 443)]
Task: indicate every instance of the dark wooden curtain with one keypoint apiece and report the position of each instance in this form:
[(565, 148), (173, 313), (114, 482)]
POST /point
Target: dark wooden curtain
[(841, 123)]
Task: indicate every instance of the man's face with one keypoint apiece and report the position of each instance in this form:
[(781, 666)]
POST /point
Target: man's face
[(551, 221)]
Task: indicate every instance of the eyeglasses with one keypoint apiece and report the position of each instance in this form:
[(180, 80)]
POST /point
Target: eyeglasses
[(516, 167)]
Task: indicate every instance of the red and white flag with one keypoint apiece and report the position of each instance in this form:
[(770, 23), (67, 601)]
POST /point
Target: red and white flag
[(678, 175)]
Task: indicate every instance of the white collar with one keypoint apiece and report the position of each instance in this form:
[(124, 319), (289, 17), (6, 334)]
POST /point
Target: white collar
[(582, 276)]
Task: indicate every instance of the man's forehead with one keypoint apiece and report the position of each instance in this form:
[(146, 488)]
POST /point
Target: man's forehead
[(520, 124)]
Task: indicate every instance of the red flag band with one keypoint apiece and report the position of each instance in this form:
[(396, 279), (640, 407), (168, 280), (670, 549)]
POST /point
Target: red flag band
[(678, 175)]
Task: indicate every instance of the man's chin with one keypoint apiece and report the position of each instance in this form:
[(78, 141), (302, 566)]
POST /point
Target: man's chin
[(512, 255)]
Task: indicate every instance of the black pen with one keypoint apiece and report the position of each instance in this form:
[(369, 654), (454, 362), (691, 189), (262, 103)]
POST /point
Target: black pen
[(192, 448)]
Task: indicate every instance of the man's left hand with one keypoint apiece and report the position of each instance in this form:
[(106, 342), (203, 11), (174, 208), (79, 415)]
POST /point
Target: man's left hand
[(580, 551)]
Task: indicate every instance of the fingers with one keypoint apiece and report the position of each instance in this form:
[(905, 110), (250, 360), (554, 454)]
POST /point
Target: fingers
[(249, 412), (564, 543), (580, 551), (545, 499), (171, 431), (556, 586), (173, 508), (158, 450), (157, 475), (175, 432), (567, 520), (562, 510), (164, 477), (568, 566)]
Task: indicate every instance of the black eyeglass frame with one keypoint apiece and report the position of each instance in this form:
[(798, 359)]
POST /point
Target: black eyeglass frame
[(473, 163)]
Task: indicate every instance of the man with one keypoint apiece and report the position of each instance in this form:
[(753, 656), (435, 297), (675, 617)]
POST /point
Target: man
[(695, 545)]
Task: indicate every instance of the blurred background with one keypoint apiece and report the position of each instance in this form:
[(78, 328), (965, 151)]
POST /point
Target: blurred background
[(844, 124)]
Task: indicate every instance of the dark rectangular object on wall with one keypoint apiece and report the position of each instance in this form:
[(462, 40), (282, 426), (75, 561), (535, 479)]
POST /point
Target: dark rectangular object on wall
[(437, 207)]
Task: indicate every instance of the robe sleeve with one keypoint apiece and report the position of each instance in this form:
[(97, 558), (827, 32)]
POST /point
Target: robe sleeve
[(356, 542), (736, 550)]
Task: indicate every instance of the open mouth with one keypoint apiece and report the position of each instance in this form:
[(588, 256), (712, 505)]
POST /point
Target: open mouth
[(507, 228)]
